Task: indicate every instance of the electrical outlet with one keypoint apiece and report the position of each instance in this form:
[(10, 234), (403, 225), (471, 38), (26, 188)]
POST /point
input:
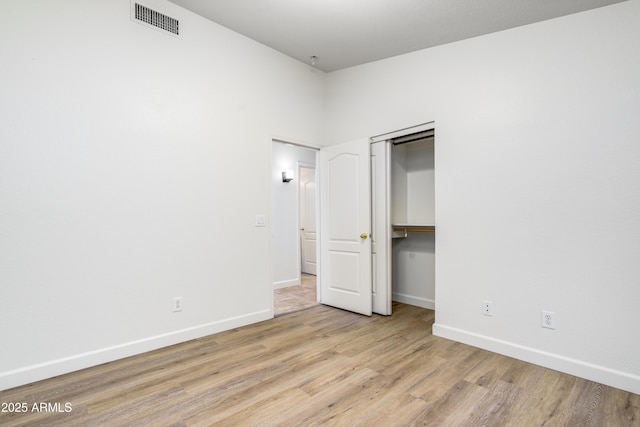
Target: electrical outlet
[(548, 319), (177, 304), (487, 308)]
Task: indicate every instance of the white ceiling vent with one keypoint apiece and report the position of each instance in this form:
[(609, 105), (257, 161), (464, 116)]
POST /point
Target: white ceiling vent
[(153, 18)]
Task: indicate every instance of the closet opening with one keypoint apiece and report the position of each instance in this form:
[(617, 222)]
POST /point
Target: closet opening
[(404, 223)]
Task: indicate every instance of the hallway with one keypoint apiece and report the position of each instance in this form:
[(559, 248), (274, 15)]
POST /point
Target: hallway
[(295, 298)]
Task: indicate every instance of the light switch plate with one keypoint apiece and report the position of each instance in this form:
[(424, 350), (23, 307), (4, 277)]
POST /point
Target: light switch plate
[(261, 221)]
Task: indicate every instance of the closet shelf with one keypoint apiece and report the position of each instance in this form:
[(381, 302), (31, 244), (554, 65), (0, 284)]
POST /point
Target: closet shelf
[(430, 227), (401, 230)]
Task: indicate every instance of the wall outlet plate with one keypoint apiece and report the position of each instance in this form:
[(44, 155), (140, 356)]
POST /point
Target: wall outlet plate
[(548, 319), (487, 308), (177, 304)]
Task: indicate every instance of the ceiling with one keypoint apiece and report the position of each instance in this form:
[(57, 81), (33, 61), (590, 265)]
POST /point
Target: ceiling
[(344, 33)]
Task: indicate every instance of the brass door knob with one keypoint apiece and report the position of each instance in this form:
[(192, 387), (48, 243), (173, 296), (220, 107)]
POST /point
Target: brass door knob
[(364, 235)]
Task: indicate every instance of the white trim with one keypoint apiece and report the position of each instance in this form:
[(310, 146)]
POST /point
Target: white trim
[(29, 374), (403, 132), (286, 283), (318, 222), (269, 179), (296, 143), (417, 301), (601, 374)]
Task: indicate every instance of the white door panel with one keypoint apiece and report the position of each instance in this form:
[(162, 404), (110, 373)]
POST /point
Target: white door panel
[(310, 203), (310, 249), (342, 171), (308, 219), (345, 212)]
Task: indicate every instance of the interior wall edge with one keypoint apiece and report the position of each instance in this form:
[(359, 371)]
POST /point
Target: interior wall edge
[(622, 380), (414, 300)]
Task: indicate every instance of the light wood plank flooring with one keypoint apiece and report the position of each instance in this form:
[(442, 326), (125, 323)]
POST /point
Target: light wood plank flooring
[(324, 366)]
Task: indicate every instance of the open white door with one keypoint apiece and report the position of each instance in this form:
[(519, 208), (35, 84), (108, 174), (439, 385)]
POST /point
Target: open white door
[(345, 226)]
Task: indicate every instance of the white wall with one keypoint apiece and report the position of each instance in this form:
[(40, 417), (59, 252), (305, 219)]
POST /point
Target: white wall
[(413, 277), (285, 213), (537, 182), (132, 165)]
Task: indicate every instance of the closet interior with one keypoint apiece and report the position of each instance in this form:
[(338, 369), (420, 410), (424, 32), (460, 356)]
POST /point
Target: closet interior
[(404, 221)]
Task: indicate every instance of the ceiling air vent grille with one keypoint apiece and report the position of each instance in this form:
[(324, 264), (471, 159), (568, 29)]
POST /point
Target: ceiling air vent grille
[(156, 19)]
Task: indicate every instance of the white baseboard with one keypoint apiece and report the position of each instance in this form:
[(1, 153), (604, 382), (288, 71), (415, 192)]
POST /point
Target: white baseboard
[(579, 368), (29, 374), (417, 301), (286, 283)]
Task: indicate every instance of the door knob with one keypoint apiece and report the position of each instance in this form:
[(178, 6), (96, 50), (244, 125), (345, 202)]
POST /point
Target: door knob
[(364, 235)]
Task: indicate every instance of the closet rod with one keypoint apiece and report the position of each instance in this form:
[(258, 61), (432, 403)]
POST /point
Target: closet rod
[(415, 229)]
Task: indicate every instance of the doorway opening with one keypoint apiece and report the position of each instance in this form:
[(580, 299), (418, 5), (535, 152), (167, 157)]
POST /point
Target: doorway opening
[(293, 227)]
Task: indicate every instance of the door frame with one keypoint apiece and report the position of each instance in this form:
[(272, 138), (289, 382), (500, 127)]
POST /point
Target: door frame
[(270, 169), (384, 267)]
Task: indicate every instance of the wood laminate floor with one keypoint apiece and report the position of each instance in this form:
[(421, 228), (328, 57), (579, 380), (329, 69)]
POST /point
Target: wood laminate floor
[(324, 366)]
